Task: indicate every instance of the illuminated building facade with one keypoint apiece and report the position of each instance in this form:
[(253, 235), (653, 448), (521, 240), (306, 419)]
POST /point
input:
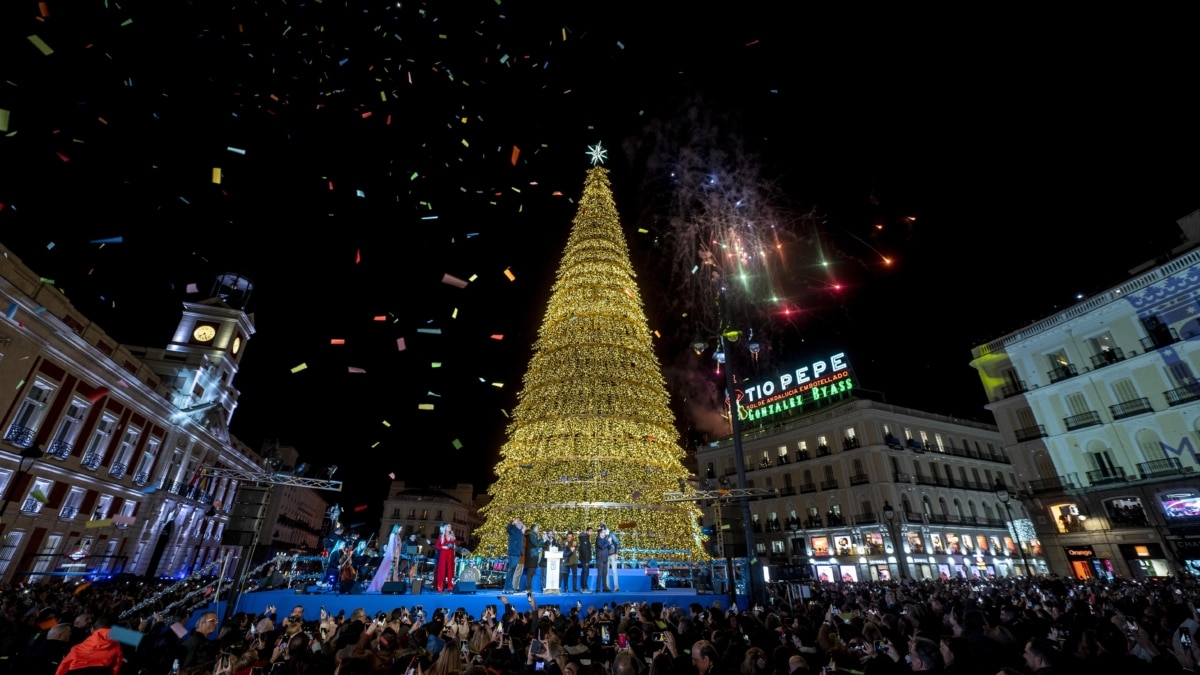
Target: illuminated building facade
[(837, 462), (422, 509), (295, 514), (102, 442), (1100, 406)]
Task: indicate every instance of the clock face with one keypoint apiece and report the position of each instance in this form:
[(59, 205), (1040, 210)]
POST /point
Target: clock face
[(237, 344), (204, 333)]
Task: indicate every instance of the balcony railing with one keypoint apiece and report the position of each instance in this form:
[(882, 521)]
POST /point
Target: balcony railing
[(829, 484), (59, 450), (813, 523), (1106, 357), (1061, 373), (91, 460), (1185, 394), (1052, 484), (1160, 467), (802, 456), (851, 443), (141, 479), (1031, 433), (176, 487), (21, 437), (1088, 419), (1130, 408), (118, 470), (1160, 338), (922, 479), (1106, 476), (866, 518), (808, 488), (892, 442), (860, 479), (823, 451), (901, 477), (1013, 388), (31, 505), (68, 512)]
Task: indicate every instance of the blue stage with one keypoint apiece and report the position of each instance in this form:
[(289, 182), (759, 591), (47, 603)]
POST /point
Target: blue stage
[(635, 585)]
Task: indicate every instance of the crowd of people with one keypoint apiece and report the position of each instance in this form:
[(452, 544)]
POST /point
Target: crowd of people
[(1037, 626)]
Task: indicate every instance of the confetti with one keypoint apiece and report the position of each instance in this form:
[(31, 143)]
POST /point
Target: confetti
[(497, 337), (453, 281), (97, 524), (302, 366), (337, 341), (387, 423), (508, 273), (430, 331), (97, 394), (400, 344), (358, 256), (360, 508), (4, 114), (216, 175), (11, 312), (379, 317), (425, 406), (392, 476), (457, 444), (38, 496), (237, 150), (41, 45), (436, 364), (516, 152), (108, 240), (193, 288)]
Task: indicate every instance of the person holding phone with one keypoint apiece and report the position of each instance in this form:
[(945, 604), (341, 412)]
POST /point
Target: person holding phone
[(446, 544)]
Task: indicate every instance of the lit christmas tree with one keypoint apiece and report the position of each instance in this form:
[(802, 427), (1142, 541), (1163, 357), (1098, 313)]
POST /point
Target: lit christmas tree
[(592, 438)]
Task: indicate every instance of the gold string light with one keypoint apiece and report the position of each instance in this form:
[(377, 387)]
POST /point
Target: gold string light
[(592, 438)]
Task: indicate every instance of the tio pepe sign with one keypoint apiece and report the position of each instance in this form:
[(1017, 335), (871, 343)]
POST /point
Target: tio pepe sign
[(821, 379)]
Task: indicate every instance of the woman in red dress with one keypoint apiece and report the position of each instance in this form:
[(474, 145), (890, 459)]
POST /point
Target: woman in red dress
[(445, 558)]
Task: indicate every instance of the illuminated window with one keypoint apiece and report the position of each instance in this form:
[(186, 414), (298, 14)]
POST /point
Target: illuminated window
[(937, 442), (68, 429), (94, 454), (29, 414)]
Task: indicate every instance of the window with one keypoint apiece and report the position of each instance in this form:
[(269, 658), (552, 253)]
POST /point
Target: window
[(1057, 359), (128, 507), (70, 507), (1102, 343), (5, 476), (943, 507), (908, 434), (1150, 445), (1025, 420), (783, 450), (803, 446), (42, 562), (425, 514), (68, 429), (937, 443), (1077, 404), (94, 455), (125, 452), (41, 488), (1124, 391), (924, 440), (11, 541), (1180, 373), (926, 505), (141, 475), (29, 414)]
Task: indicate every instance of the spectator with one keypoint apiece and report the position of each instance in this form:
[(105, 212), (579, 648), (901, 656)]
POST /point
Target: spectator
[(96, 651)]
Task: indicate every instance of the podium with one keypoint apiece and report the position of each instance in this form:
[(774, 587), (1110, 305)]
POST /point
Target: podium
[(553, 558)]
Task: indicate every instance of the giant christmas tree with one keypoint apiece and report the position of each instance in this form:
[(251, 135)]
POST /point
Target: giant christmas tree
[(592, 438)]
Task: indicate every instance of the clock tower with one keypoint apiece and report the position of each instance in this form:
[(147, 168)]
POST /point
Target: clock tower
[(200, 362)]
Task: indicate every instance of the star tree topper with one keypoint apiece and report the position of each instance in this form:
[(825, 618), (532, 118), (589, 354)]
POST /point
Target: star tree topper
[(598, 154)]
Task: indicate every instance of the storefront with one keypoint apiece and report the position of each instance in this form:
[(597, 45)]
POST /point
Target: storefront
[(1145, 560), (1187, 551), (1085, 564)]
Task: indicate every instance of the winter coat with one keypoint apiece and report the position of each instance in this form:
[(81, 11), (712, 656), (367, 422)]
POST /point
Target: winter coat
[(98, 650)]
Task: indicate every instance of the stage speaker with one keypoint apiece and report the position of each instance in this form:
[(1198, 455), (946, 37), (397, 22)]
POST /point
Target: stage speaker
[(464, 588), (416, 586), (395, 588)]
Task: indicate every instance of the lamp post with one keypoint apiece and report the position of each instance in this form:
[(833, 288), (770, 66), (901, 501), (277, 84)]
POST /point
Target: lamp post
[(1004, 497), (32, 453), (754, 589), (889, 514)]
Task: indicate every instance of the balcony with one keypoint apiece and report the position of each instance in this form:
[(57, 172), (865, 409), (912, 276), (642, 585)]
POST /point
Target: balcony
[(31, 505), (118, 470), (1052, 484), (1159, 338), (916, 445), (59, 450), (22, 437), (851, 443), (91, 460), (808, 488), (901, 477), (829, 484), (1106, 476), (1160, 468), (1031, 433), (866, 518), (1185, 394), (922, 479), (1013, 389), (1107, 357), (860, 479), (175, 487), (141, 479), (1090, 418), (892, 442), (1130, 408), (787, 491), (802, 456), (823, 451), (1061, 373), (68, 512), (813, 523)]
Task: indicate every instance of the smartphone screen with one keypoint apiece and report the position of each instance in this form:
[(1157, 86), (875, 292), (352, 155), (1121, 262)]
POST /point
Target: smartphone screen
[(1185, 638), (535, 647), (605, 635), (623, 641)]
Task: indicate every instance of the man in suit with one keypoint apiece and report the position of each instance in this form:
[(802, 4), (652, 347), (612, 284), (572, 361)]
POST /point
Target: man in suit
[(604, 548), (585, 557), (516, 546), (533, 549)]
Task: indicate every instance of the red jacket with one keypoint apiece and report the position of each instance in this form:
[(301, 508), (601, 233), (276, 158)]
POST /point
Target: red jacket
[(96, 650)]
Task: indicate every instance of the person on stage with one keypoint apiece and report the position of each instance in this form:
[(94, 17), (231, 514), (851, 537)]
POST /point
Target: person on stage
[(516, 547), (604, 548), (389, 563), (570, 579), (585, 558), (446, 543)]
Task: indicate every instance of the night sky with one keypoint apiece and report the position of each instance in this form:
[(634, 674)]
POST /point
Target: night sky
[(366, 149)]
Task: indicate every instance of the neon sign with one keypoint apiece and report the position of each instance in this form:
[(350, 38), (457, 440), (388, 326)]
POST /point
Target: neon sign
[(823, 379)]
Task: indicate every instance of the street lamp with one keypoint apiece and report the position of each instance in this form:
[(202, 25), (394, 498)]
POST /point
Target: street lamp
[(32, 453), (889, 514), (1004, 497)]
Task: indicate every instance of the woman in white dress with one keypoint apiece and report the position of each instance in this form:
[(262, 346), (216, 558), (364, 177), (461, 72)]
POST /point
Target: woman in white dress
[(389, 562)]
